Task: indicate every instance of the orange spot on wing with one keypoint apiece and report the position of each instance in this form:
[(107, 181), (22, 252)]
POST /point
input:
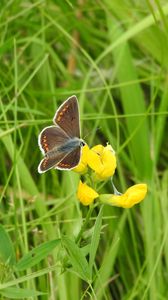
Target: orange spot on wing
[(46, 147), (60, 115), (44, 163), (64, 165)]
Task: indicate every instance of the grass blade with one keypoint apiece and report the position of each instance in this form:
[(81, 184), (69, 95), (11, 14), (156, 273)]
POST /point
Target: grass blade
[(18, 293), (36, 255), (7, 253), (77, 258), (95, 238)]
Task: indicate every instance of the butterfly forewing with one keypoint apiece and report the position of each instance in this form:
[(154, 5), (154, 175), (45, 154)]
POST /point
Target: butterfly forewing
[(71, 160), (51, 137), (67, 117)]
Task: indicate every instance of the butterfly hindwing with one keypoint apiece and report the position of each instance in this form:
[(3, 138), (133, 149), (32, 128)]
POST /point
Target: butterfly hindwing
[(50, 162), (71, 160)]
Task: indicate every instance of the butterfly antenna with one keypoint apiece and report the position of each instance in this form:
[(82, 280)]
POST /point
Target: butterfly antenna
[(98, 128)]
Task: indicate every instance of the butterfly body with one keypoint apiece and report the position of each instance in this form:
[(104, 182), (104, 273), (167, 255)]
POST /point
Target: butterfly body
[(69, 146), (61, 144)]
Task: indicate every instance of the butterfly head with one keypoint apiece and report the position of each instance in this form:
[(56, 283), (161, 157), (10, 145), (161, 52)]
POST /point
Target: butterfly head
[(82, 143)]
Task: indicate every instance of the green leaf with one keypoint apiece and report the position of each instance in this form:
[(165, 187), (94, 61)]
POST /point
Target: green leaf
[(95, 238), (7, 253), (36, 255), (137, 132), (85, 250), (17, 293), (77, 258)]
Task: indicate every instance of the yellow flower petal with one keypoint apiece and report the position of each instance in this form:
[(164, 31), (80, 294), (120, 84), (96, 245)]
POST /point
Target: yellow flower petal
[(132, 196), (82, 166), (109, 162), (86, 194), (136, 193), (94, 158), (98, 149), (103, 161)]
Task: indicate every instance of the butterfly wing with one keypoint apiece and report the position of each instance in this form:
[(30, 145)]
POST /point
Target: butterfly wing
[(67, 117), (70, 161), (47, 162), (51, 137)]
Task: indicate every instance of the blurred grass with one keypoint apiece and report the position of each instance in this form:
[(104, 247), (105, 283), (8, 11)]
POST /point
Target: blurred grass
[(113, 56)]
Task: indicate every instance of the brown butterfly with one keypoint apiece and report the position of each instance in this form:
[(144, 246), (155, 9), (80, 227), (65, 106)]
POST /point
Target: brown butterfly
[(61, 143)]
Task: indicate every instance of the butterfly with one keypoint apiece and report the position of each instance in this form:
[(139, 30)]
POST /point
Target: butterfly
[(61, 143)]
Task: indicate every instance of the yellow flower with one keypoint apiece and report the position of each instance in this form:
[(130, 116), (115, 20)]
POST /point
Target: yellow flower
[(132, 196), (86, 194), (82, 166), (102, 160)]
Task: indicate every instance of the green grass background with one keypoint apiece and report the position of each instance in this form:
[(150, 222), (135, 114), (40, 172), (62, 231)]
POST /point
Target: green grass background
[(114, 56)]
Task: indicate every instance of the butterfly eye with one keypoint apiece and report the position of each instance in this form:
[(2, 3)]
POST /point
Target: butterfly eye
[(82, 143)]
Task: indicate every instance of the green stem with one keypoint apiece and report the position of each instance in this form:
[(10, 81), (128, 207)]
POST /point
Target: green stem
[(85, 223)]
